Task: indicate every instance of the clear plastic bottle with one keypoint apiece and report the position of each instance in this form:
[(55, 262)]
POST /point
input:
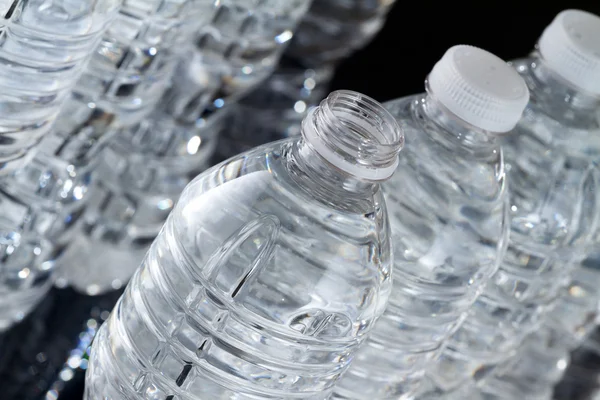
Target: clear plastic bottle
[(145, 167), (268, 274), (44, 48), (551, 161), (448, 204), (330, 32)]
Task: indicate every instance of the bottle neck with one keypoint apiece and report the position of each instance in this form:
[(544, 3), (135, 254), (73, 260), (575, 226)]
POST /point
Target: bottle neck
[(308, 166), (560, 98), (349, 144), (448, 127)]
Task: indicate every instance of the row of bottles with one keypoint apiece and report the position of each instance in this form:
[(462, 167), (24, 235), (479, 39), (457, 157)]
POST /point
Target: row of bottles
[(272, 277), (320, 266)]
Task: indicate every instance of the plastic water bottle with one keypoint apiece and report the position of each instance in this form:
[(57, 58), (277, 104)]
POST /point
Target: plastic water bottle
[(45, 46), (551, 162), (44, 49), (268, 274), (145, 167), (448, 204), (330, 32)]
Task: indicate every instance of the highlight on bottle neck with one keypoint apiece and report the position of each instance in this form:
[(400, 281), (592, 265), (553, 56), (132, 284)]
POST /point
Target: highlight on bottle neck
[(356, 134), (479, 88), (570, 47)]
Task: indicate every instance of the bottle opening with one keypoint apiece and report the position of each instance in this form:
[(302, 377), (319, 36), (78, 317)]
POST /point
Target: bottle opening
[(356, 134)]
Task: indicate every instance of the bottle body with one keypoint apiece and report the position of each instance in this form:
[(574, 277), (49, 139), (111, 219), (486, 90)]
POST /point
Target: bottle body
[(36, 221), (550, 161), (448, 205), (247, 280), (51, 45)]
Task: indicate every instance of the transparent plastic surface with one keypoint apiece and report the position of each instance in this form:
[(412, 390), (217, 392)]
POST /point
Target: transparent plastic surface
[(448, 205), (235, 52), (129, 72), (334, 29), (138, 180), (44, 47), (267, 275), (146, 165), (331, 31), (551, 162), (38, 210), (541, 361)]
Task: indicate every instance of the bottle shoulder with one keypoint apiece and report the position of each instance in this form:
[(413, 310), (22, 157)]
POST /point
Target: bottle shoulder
[(246, 216), (452, 167), (557, 114)]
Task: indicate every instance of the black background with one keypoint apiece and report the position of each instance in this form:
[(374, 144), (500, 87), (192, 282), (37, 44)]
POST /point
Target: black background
[(418, 32)]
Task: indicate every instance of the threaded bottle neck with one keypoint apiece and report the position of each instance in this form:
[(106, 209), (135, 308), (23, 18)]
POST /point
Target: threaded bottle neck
[(355, 134)]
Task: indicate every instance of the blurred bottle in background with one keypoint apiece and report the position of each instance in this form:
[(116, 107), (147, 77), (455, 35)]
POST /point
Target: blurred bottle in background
[(331, 31), (44, 48), (131, 71)]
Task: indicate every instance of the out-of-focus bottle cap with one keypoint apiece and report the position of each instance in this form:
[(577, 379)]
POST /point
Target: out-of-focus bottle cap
[(570, 46)]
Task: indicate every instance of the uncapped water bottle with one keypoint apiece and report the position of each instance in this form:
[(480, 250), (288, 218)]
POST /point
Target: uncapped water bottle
[(268, 274), (551, 159), (448, 206)]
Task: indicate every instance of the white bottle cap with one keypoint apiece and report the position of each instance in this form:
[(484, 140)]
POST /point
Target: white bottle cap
[(570, 46), (479, 88)]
